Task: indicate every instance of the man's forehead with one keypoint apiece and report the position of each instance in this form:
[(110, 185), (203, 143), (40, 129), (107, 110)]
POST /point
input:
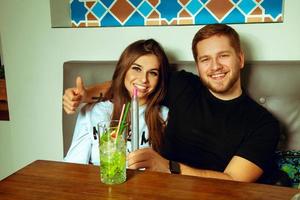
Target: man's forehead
[(214, 46), (216, 39)]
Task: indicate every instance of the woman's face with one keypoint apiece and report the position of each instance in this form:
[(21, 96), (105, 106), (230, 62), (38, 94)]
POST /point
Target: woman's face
[(144, 75)]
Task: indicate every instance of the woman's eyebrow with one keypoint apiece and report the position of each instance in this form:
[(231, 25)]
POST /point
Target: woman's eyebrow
[(137, 65), (142, 67)]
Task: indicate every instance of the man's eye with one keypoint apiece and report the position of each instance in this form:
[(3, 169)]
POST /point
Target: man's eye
[(204, 60), (224, 55)]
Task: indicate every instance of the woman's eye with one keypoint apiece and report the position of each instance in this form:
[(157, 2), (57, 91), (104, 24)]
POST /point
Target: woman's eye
[(136, 68), (154, 73)]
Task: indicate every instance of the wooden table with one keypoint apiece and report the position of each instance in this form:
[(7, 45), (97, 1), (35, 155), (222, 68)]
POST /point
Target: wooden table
[(57, 180)]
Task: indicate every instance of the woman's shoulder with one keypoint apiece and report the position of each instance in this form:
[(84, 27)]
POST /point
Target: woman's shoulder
[(102, 106), (101, 110), (164, 108), (164, 112)]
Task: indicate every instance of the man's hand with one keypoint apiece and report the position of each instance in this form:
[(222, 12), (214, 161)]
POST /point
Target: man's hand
[(149, 159), (74, 96)]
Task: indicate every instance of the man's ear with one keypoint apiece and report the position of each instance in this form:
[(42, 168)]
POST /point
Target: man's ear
[(197, 68), (241, 56)]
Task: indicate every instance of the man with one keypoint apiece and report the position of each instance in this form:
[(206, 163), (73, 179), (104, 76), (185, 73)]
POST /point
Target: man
[(214, 129)]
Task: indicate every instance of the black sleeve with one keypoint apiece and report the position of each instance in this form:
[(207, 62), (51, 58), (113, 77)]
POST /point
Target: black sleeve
[(179, 83), (261, 144)]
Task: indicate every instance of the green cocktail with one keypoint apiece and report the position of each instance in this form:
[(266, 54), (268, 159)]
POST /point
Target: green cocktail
[(112, 155)]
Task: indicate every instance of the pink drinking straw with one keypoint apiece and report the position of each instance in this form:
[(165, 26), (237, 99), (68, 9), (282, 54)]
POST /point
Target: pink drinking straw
[(120, 120)]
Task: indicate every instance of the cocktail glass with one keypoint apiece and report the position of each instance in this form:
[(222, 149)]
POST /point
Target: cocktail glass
[(112, 147)]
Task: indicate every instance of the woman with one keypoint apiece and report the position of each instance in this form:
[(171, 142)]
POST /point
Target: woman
[(142, 65)]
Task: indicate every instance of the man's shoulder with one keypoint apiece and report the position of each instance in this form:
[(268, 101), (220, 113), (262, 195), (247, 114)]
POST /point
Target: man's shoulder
[(182, 79), (182, 85), (258, 111), (182, 74)]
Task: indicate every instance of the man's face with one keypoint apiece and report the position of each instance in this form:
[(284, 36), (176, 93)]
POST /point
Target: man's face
[(219, 67)]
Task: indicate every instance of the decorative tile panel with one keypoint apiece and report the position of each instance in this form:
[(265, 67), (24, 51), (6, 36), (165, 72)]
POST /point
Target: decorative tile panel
[(91, 13)]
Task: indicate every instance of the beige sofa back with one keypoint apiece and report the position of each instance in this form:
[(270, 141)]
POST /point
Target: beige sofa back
[(273, 84)]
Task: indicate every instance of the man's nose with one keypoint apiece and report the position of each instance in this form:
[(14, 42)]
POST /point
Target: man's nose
[(216, 65)]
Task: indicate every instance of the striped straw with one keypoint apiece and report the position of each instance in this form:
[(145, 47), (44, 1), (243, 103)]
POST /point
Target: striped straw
[(122, 119)]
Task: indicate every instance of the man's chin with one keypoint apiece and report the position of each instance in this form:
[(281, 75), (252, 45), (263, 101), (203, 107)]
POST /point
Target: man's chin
[(218, 89)]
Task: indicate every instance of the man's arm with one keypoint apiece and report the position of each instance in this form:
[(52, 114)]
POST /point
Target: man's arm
[(96, 91), (73, 97), (238, 169)]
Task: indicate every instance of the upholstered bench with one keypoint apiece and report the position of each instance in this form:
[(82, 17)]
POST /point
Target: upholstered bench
[(273, 84)]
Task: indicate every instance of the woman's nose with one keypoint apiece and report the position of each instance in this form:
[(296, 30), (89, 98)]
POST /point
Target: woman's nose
[(144, 77)]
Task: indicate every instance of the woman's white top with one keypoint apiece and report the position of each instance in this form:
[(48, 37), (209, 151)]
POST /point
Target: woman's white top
[(85, 143)]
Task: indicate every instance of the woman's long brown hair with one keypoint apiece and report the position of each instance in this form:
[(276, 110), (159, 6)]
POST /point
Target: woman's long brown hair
[(119, 95)]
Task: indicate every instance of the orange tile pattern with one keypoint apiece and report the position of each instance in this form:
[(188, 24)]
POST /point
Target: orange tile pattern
[(122, 10), (220, 7)]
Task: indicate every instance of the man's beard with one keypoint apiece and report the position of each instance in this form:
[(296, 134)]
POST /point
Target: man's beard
[(224, 88)]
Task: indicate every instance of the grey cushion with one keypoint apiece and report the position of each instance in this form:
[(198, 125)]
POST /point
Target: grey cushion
[(273, 84)]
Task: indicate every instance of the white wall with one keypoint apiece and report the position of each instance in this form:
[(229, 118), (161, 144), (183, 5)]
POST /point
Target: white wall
[(34, 54)]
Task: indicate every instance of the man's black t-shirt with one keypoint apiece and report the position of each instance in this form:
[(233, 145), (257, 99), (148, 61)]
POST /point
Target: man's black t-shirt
[(206, 132)]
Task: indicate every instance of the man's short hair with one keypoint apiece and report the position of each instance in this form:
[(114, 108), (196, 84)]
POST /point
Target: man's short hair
[(216, 29)]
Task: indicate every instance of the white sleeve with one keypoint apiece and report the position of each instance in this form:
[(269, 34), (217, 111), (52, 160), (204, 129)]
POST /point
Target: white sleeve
[(100, 112), (80, 148), (164, 113)]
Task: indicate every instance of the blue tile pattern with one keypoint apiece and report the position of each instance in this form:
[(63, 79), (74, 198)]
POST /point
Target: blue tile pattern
[(99, 9), (204, 1), (194, 6), (109, 20), (145, 8), (247, 5), (235, 1), (135, 20), (80, 9), (273, 7), (107, 3), (136, 3), (172, 12), (235, 16), (168, 9), (204, 17)]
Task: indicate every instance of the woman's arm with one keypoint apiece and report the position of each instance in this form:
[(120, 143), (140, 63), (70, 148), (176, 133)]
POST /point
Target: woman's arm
[(80, 149)]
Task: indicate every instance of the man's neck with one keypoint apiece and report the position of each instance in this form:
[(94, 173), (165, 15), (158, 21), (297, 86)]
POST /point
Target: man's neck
[(226, 97), (233, 93)]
